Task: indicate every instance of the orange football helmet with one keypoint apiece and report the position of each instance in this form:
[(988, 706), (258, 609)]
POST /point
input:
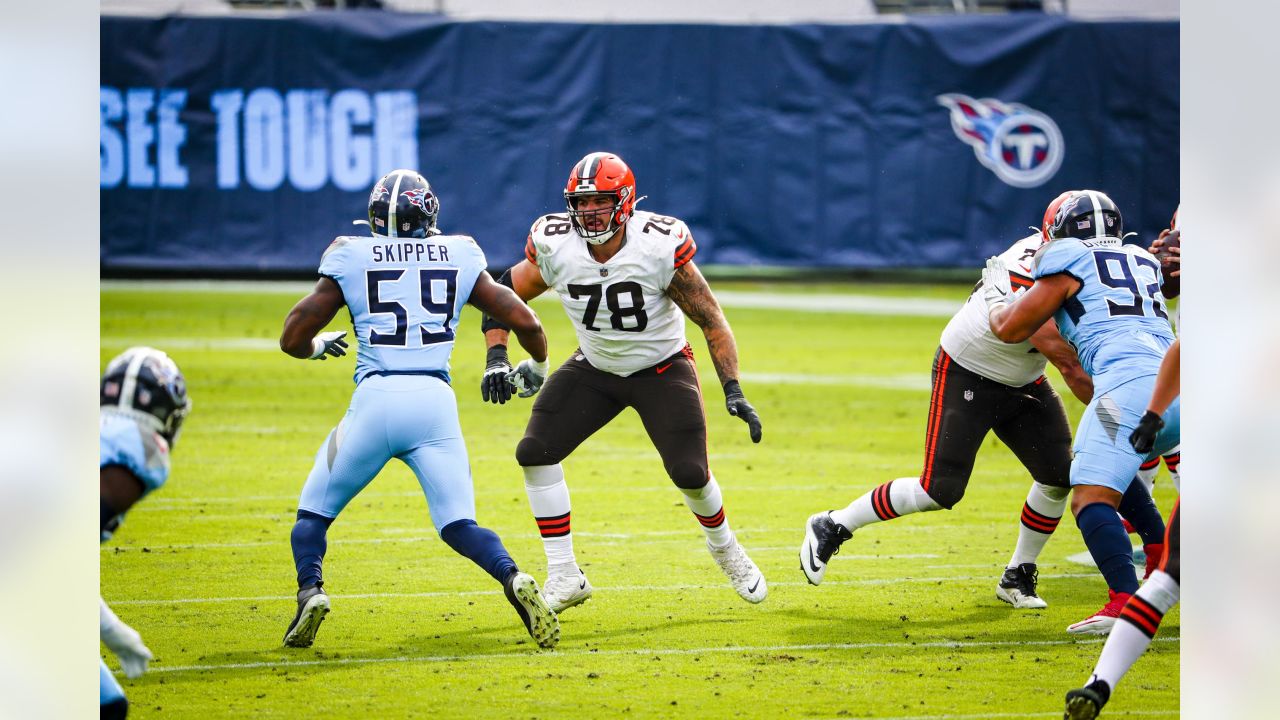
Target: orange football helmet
[(1049, 214), (601, 173)]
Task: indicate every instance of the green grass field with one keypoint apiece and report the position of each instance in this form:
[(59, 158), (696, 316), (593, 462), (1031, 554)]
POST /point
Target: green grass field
[(906, 624)]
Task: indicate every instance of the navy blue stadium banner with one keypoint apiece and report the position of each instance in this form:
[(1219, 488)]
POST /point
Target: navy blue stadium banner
[(246, 144)]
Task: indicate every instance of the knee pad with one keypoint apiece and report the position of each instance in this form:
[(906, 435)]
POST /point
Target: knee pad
[(688, 475), (531, 451)]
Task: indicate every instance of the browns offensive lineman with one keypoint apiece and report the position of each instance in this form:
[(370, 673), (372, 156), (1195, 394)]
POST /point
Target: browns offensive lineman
[(624, 278)]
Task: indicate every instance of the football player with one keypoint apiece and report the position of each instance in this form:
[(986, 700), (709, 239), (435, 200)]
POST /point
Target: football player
[(143, 401), (981, 384), (404, 287), (1141, 616), (1106, 299), (627, 279)]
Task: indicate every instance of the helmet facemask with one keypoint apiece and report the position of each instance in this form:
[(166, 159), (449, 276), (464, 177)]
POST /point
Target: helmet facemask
[(614, 215)]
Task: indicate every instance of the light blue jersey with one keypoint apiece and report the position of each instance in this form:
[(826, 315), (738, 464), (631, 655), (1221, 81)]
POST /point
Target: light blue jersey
[(405, 296), (124, 441), (1117, 322)]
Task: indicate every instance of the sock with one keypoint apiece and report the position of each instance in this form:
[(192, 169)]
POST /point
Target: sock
[(892, 499), (1140, 510), (1172, 461), (481, 546), (549, 500), (1138, 623), (309, 546), (115, 710), (1040, 515), (1108, 543), (1147, 474), (708, 507)]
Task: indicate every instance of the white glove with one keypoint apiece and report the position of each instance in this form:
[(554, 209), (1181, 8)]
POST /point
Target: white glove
[(996, 287), (330, 343), (124, 641), (528, 377)]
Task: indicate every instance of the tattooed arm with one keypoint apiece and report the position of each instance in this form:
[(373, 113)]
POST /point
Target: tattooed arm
[(690, 292)]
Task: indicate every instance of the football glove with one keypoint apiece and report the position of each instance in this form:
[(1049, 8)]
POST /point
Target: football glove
[(329, 343), (738, 407), (494, 386), (1143, 437), (996, 287), (124, 641), (529, 376)]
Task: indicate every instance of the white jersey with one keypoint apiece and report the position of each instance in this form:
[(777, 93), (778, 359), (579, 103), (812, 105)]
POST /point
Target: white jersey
[(968, 338), (619, 308)]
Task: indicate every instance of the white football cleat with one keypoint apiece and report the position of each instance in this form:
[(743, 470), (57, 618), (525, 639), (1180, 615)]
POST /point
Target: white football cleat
[(743, 574), (313, 605), (566, 586), (538, 618)]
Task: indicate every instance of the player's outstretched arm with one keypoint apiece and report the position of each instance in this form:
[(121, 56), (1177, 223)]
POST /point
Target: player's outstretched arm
[(504, 305), (300, 339), (1059, 352), (1143, 437), (690, 292), (525, 281), (1019, 321)]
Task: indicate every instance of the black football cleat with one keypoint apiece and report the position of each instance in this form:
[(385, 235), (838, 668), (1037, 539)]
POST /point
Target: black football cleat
[(822, 539), (313, 605)]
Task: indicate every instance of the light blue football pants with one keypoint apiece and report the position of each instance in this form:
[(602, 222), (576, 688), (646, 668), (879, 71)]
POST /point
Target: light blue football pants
[(109, 689), (1103, 455), (410, 417)]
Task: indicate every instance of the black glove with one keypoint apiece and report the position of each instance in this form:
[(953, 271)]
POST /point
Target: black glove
[(494, 386), (738, 406), (1143, 438)]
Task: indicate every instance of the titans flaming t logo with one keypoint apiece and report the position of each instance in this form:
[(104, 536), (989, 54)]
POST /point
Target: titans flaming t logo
[(1023, 147)]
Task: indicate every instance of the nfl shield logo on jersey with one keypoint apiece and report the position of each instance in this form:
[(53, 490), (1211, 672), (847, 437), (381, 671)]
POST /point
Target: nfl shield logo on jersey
[(968, 395), (1023, 147)]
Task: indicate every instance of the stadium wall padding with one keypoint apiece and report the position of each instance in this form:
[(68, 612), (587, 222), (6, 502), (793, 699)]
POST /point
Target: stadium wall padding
[(234, 144)]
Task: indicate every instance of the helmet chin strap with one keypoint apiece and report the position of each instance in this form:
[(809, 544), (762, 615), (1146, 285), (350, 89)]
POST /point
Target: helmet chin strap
[(602, 239)]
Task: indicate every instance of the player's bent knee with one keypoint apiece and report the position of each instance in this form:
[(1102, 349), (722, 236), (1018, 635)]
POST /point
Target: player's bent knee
[(688, 475), (114, 710), (532, 451), (946, 495)]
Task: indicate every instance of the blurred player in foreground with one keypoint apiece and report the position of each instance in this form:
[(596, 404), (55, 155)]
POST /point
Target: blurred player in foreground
[(1105, 297), (981, 384), (405, 287), (143, 401), (1141, 616), (626, 278)]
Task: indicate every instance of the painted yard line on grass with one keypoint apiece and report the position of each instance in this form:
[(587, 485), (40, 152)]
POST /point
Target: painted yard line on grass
[(616, 588), (643, 652), (1054, 714), (850, 303)]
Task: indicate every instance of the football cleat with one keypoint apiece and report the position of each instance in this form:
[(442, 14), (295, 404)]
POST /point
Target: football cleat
[(566, 586), (1155, 556), (822, 539), (1018, 587), (1085, 703), (539, 619), (1101, 622), (743, 574), (313, 605)]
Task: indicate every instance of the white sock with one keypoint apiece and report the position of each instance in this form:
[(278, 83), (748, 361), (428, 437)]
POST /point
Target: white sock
[(549, 500), (892, 499), (1040, 515), (1138, 623), (708, 507)]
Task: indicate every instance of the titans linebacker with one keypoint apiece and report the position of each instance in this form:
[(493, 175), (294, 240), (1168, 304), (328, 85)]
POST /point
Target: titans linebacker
[(624, 278), (143, 401), (405, 287), (1107, 302)]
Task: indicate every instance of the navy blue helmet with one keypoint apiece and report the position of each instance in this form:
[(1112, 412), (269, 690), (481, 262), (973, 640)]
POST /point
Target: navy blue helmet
[(145, 384), (1086, 215), (402, 204)]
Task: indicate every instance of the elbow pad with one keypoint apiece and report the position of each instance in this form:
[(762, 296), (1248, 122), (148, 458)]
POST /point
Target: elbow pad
[(489, 322)]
